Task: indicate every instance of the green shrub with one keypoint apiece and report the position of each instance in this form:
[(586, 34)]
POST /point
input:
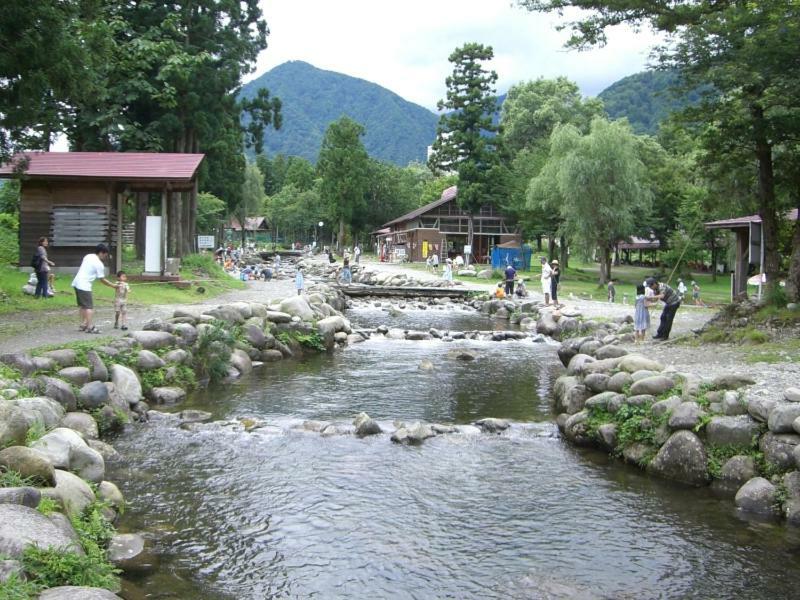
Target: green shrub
[(14, 479), (9, 373), (212, 353), (35, 431), (47, 506), (53, 567), (9, 242), (14, 588), (313, 340), (109, 423), (177, 375)]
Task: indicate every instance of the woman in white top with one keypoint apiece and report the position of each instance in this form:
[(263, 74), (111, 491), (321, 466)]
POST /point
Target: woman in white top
[(546, 273)]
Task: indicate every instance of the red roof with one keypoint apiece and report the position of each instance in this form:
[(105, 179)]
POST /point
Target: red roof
[(126, 166)]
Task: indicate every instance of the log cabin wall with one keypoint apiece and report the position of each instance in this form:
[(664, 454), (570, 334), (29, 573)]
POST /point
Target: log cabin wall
[(45, 211)]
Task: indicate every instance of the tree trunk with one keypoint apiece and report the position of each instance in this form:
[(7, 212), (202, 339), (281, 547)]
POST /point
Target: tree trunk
[(538, 243), (605, 265), (551, 247), (142, 202), (564, 260), (793, 278), (766, 197), (713, 257), (340, 240), (177, 222), (470, 239)]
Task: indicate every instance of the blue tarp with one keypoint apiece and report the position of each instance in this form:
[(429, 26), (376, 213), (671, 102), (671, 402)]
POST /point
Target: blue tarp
[(519, 257)]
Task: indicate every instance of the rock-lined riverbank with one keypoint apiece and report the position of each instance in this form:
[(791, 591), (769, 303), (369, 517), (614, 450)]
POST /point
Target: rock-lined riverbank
[(681, 427)]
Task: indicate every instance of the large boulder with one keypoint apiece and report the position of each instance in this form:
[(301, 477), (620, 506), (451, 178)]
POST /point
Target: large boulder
[(365, 425), (127, 385), (736, 471), (297, 306), (602, 400), (167, 395), (732, 404), (757, 496), (577, 363), (153, 340), (97, 368), (619, 381), (66, 449), (778, 449), (127, 551), (575, 399), (227, 314), (682, 458), (73, 492), (791, 394), (733, 431), (576, 429), (82, 423), (655, 385), (591, 346), (28, 463), (636, 362), (73, 592), (75, 375), (38, 409), (546, 325), (21, 526), (607, 365), (58, 390), (492, 425), (686, 415), (596, 382), (610, 351), (186, 334), (20, 361), (663, 407), (782, 417), (26, 496), (66, 357), (759, 408), (14, 423), (255, 336), (275, 316), (241, 361), (732, 381), (331, 325), (149, 361), (93, 395)]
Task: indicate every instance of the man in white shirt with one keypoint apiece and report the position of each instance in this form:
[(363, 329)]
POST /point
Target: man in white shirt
[(91, 268), (357, 253), (546, 273)]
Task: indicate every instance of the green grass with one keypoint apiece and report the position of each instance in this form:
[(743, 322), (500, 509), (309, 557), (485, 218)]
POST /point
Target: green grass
[(9, 373), (200, 269), (14, 479), (787, 350)]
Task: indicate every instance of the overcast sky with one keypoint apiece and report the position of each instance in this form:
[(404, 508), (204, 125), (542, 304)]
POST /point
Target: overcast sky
[(404, 45)]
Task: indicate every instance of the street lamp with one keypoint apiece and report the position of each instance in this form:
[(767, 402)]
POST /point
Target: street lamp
[(320, 224)]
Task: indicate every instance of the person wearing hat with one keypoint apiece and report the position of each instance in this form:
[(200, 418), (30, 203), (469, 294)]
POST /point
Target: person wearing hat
[(672, 302), (510, 276), (547, 273), (555, 276), (91, 268)]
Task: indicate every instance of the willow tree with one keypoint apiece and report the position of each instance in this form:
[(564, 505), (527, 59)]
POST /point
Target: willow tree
[(598, 184), (466, 137)]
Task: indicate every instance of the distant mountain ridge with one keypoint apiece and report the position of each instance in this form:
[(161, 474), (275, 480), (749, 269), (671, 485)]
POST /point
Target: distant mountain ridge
[(397, 130)]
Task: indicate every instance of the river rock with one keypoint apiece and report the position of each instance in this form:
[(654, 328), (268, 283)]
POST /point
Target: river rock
[(686, 415), (419, 432), (365, 425), (14, 423), (619, 381), (425, 365), (663, 407), (575, 399), (153, 340), (297, 306), (577, 363), (167, 395), (637, 453), (25, 496), (601, 401), (643, 374), (655, 385), (590, 347), (607, 435), (782, 417), (757, 496), (492, 425), (271, 355), (66, 357), (83, 423), (610, 351), (275, 316), (636, 362), (108, 492), (37, 409), (255, 336), (547, 325), (126, 551), (732, 405), (97, 368), (462, 354), (107, 451), (791, 394), (596, 382), (791, 506), (731, 381), (126, 383), (21, 526), (735, 431), (759, 408), (418, 335), (28, 463), (58, 390), (194, 416), (56, 446), (736, 471), (243, 308), (601, 366), (576, 429), (73, 492), (778, 449), (93, 395), (241, 361), (229, 315), (149, 361), (637, 400), (20, 361), (75, 375), (682, 458), (72, 592)]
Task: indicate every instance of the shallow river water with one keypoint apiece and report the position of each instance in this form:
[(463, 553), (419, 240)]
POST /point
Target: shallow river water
[(284, 513)]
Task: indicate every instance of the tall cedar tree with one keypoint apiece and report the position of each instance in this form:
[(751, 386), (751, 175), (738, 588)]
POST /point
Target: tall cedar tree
[(747, 51), (467, 139), (343, 166)]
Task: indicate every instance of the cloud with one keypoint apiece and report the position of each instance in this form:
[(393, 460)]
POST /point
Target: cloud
[(404, 46)]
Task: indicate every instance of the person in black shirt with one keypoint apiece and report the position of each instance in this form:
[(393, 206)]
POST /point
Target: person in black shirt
[(555, 276), (672, 302), (511, 274)]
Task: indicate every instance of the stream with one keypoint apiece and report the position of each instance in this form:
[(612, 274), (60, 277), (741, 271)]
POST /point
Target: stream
[(280, 512)]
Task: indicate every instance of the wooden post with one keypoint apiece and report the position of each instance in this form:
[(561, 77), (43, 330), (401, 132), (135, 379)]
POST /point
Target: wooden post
[(163, 230), (740, 271), (141, 222), (118, 256)]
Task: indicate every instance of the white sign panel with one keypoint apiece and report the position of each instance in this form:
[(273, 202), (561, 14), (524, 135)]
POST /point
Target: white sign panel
[(205, 242), (152, 245), (467, 249)]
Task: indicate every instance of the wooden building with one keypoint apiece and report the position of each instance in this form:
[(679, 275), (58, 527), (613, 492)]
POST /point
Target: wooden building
[(256, 229), (442, 227), (76, 200)]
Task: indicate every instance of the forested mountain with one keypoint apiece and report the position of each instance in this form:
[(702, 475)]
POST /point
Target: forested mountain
[(645, 99), (397, 130)]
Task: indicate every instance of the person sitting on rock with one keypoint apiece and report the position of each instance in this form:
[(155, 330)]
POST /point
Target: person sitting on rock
[(499, 292), (521, 292)]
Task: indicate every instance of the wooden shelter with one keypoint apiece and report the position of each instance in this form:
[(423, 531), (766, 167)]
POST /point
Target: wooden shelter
[(76, 200), (256, 228), (442, 227), (749, 247)]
